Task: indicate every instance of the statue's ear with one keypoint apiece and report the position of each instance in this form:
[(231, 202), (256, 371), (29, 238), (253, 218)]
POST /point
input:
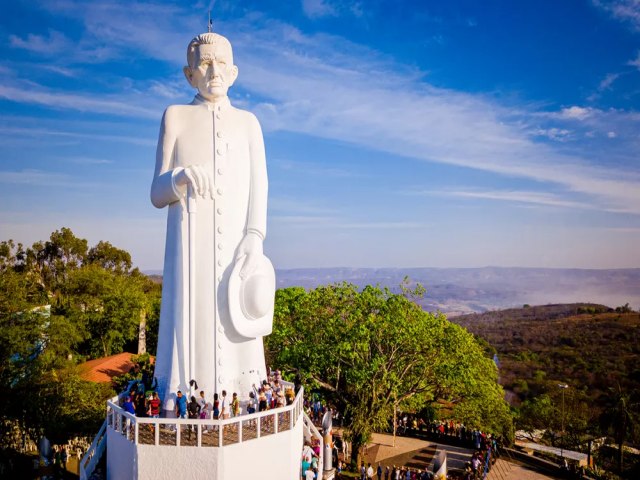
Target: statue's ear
[(234, 74), (189, 75)]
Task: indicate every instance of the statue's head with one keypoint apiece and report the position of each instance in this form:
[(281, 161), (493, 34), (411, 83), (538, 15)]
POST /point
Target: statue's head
[(210, 66)]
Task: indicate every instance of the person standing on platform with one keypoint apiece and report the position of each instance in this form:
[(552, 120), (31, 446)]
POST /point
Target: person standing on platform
[(235, 405), (216, 406), (193, 410), (181, 405), (224, 406), (154, 405)]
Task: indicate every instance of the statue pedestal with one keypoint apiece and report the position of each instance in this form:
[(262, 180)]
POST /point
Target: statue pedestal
[(265, 445)]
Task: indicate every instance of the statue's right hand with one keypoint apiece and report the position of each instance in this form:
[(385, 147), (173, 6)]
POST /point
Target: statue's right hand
[(198, 178)]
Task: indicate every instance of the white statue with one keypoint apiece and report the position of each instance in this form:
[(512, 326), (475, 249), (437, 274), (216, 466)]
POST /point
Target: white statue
[(218, 288)]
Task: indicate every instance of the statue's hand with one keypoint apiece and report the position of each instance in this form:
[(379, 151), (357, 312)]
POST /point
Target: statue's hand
[(251, 248), (198, 178)]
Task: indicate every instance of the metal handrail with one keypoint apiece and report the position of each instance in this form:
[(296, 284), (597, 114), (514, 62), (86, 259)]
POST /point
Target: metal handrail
[(128, 424), (94, 453)]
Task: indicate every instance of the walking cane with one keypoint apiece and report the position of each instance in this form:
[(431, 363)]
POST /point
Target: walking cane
[(191, 217)]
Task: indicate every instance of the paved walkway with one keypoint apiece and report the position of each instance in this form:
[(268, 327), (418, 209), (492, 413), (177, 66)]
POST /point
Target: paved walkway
[(412, 452), (416, 453), (503, 470)]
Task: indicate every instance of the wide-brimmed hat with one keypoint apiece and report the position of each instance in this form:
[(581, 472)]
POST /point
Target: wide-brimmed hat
[(251, 299)]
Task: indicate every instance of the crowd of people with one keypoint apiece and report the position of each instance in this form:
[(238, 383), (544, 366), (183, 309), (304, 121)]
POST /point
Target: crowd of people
[(446, 430), (393, 473), (271, 393), (310, 459), (484, 445)]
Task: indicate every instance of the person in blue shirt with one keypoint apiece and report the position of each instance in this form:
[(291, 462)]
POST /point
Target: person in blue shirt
[(128, 406), (181, 405)]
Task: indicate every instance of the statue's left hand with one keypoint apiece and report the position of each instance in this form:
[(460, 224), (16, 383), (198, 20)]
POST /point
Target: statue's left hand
[(251, 248)]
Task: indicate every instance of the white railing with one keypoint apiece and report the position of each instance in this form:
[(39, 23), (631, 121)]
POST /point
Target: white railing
[(95, 451), (310, 431), (203, 432)]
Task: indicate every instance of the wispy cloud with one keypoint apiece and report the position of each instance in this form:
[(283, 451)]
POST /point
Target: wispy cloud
[(576, 112), (40, 96), (627, 11), (294, 207), (607, 81), (318, 8), (315, 9), (635, 62), (605, 84), (38, 132), (334, 223), (559, 134), (326, 86), (53, 43), (65, 72), (88, 161), (37, 178), (314, 169), (509, 196)]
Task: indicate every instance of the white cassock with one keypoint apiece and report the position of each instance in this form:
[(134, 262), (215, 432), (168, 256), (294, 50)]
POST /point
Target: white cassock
[(228, 143)]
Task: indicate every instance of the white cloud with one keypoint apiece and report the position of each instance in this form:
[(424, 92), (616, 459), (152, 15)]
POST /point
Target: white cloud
[(611, 134), (510, 196), (36, 177), (635, 62), (318, 8), (575, 112), (326, 86), (559, 134), (39, 96), (65, 72), (315, 9), (308, 168), (607, 81), (33, 132), (88, 161), (627, 11), (334, 223), (55, 42)]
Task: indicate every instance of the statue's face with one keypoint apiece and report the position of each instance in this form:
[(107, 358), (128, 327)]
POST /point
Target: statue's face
[(214, 71)]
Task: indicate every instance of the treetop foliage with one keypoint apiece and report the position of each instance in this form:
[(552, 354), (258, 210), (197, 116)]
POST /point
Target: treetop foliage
[(371, 350), (62, 302)]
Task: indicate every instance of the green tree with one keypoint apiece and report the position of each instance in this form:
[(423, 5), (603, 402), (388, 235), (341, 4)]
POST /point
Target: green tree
[(52, 260), (620, 420), (109, 257), (105, 305), (372, 350), (60, 301), (538, 413)]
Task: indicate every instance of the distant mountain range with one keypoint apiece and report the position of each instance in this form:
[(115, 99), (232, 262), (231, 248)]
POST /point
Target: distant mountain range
[(458, 291)]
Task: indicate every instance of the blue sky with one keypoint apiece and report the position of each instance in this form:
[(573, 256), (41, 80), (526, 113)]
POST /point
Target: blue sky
[(450, 134)]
